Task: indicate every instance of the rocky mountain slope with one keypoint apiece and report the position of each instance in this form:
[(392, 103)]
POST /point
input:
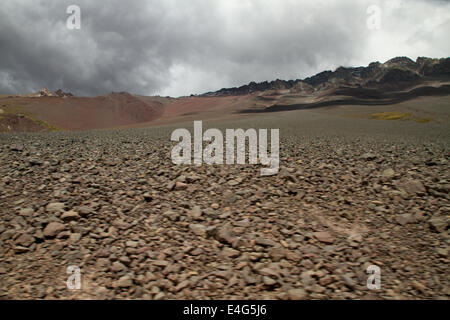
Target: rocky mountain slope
[(397, 73)]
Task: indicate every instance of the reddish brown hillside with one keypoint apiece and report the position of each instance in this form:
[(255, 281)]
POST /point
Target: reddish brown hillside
[(113, 110)]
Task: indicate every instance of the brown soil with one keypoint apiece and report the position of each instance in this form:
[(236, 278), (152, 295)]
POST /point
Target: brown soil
[(17, 122), (101, 112)]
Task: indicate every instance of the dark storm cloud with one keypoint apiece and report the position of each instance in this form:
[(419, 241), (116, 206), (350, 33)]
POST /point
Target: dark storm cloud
[(180, 47)]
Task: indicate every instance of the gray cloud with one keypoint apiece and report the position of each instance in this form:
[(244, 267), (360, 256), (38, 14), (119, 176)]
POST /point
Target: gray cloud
[(179, 47)]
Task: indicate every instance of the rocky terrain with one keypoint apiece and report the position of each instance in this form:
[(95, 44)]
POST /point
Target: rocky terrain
[(364, 180), (350, 193)]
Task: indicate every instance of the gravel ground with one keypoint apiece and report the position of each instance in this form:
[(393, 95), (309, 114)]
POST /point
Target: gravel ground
[(349, 194)]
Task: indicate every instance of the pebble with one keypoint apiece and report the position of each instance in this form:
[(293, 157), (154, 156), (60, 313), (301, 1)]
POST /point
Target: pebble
[(198, 229), (324, 236), (124, 282), (69, 216), (53, 228), (297, 294), (388, 173), (55, 207)]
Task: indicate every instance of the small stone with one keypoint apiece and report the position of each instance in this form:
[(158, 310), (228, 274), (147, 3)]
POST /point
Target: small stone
[(269, 272), (442, 252), (197, 251), (149, 276), (63, 235), (277, 253), (297, 294), (75, 237), (215, 206), (182, 285), (230, 252), (388, 173), (265, 242), (369, 156), (404, 219), (419, 286), (171, 215), (224, 274), (131, 244), (16, 147), (55, 207), (84, 211), (124, 282), (26, 212), (101, 292), (25, 240), (21, 249), (102, 253), (210, 212), (307, 277), (117, 266), (233, 183), (198, 229), (349, 282), (268, 281), (292, 187), (39, 235), (171, 185), (161, 263), (325, 281), (53, 228), (70, 216), (35, 162), (102, 263), (438, 224), (293, 256), (356, 237), (125, 260), (413, 186), (229, 197), (122, 225), (195, 213), (243, 223), (285, 174), (159, 296), (147, 196), (224, 235), (324, 236), (180, 186), (308, 264)]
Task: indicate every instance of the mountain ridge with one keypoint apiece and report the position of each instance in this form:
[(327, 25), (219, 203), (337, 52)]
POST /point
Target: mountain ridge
[(395, 74)]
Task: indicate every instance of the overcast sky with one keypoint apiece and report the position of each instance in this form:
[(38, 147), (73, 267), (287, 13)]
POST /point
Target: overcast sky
[(182, 47)]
